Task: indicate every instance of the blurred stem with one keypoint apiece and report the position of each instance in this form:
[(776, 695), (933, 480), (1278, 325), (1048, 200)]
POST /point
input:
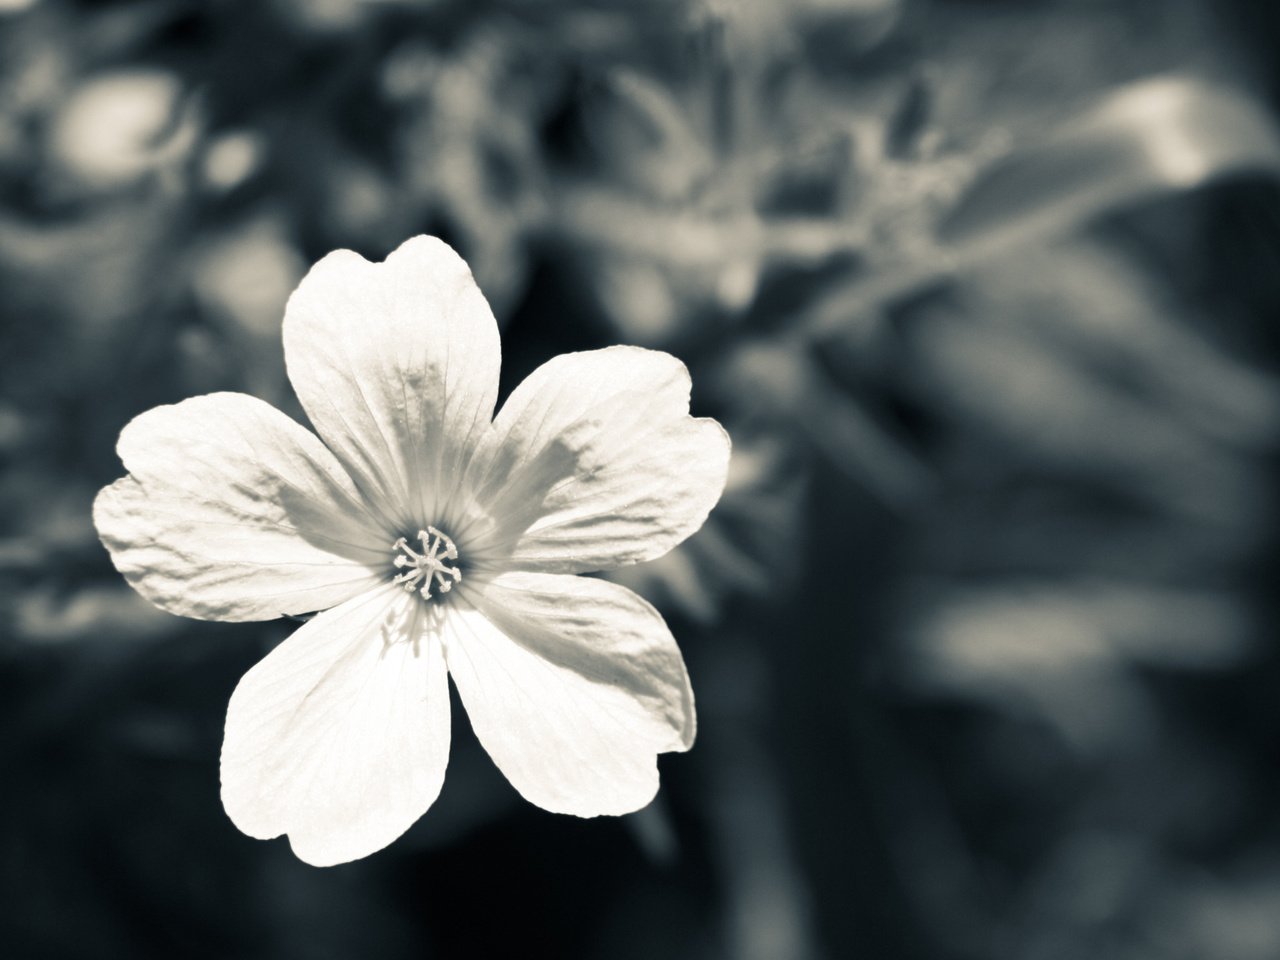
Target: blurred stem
[(1152, 138), (594, 214)]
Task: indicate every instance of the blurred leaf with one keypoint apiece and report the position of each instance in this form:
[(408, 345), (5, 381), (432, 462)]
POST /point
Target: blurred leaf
[(1150, 138), (107, 614), (1153, 137), (1067, 652), (1035, 405)]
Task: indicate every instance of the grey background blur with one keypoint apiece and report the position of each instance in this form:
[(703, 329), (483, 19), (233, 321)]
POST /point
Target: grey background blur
[(982, 634)]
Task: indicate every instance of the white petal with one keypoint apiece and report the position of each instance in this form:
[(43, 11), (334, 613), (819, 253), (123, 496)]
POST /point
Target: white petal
[(339, 737), (396, 364), (232, 511), (573, 685), (643, 474)]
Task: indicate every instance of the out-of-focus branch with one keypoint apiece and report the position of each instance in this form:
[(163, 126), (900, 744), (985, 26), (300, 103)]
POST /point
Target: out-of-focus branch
[(1159, 136)]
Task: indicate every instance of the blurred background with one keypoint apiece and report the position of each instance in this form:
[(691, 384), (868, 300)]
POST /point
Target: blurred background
[(983, 631)]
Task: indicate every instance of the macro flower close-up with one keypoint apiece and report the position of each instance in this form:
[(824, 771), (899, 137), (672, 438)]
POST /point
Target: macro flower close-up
[(421, 422), (429, 539)]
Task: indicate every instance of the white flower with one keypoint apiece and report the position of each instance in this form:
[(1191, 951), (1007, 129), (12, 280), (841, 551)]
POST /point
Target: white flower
[(438, 541)]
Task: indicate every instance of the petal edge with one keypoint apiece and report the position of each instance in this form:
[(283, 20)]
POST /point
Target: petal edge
[(232, 511), (339, 737), (573, 685)]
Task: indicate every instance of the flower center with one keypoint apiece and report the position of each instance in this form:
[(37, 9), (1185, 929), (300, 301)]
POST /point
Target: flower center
[(421, 570)]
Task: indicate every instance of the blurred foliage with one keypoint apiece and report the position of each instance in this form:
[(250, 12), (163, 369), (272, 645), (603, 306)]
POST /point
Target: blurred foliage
[(982, 632)]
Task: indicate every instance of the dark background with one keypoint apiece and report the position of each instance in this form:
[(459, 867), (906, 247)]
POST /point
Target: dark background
[(983, 632)]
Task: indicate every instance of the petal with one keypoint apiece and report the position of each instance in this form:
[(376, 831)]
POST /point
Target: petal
[(339, 737), (396, 364), (573, 685), (232, 511), (644, 474)]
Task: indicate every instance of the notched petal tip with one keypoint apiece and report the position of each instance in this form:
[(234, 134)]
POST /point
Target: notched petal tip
[(432, 253), (419, 256), (119, 522), (638, 795), (104, 512), (319, 851), (712, 459)]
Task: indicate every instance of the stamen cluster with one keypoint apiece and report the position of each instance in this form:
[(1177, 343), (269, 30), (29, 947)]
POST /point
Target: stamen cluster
[(429, 566)]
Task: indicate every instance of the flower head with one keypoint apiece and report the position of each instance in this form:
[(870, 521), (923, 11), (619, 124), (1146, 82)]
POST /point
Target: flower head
[(436, 540)]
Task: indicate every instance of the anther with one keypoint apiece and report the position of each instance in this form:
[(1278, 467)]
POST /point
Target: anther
[(424, 569)]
